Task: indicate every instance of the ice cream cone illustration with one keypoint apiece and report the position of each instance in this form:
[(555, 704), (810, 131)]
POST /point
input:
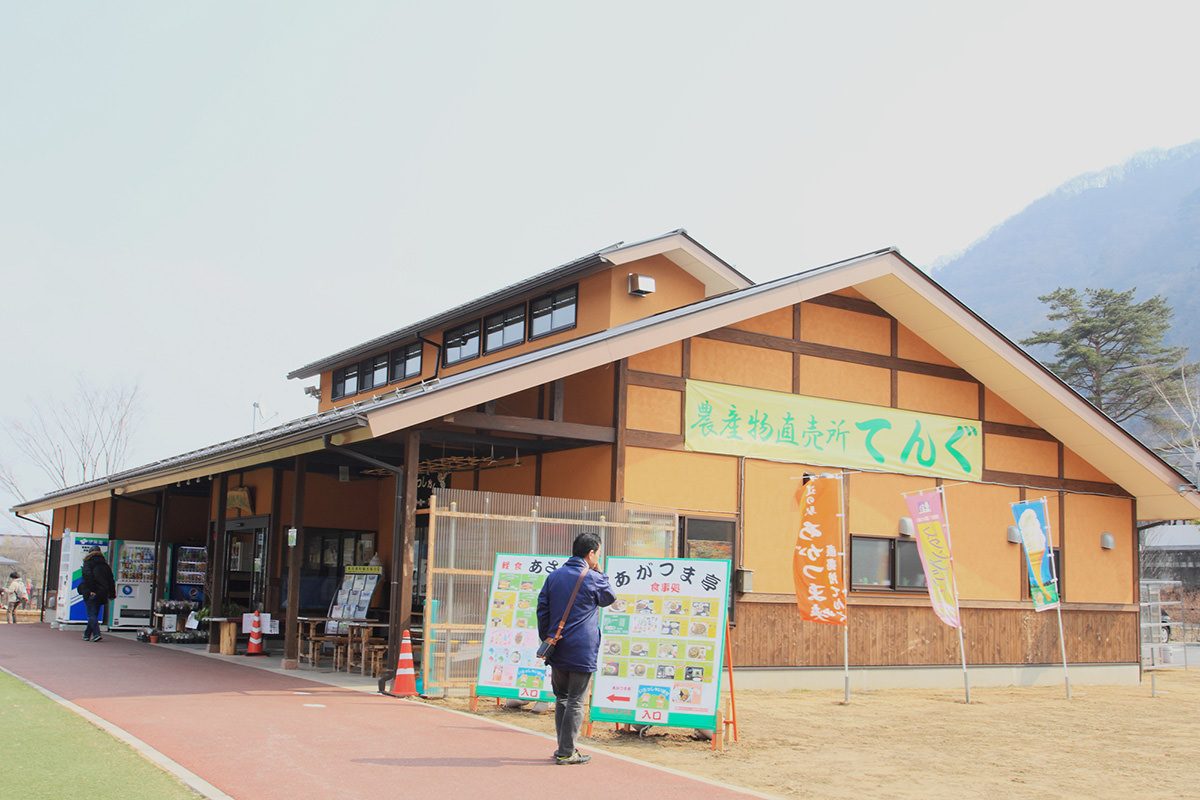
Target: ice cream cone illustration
[(1034, 540)]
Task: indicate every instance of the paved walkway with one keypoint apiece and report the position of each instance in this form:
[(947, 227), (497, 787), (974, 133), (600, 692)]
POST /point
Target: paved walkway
[(251, 731)]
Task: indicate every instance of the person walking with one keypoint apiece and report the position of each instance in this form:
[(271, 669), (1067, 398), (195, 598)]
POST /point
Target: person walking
[(15, 594), (569, 607), (97, 587)]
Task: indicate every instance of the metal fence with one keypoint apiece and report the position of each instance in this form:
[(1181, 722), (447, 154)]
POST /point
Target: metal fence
[(466, 531)]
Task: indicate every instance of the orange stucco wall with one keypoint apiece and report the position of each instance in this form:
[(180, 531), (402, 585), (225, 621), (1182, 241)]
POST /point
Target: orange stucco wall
[(1076, 468), (665, 360), (837, 380), (653, 409), (1092, 574), (673, 288), (687, 481), (914, 348), (777, 323), (1012, 454), (986, 565), (842, 328), (997, 410), (585, 474), (770, 523), (937, 395), (743, 365), (589, 396), (511, 479)]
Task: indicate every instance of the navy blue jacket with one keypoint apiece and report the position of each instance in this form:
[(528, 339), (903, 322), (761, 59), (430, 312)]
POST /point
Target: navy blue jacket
[(576, 651)]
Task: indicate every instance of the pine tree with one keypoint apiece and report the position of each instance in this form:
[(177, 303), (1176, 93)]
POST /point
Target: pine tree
[(1111, 350)]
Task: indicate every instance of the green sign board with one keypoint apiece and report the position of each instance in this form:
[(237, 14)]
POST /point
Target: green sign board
[(735, 420)]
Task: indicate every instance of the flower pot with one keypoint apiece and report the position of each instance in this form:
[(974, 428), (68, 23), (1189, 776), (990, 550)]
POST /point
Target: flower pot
[(154, 638)]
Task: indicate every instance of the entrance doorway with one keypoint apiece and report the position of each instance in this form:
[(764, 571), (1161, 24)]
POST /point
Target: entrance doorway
[(246, 545)]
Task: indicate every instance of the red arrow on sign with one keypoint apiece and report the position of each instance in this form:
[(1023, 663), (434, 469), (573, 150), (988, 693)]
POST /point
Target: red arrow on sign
[(612, 698)]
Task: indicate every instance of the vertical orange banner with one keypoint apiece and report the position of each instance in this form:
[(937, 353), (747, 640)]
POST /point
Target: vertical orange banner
[(818, 557)]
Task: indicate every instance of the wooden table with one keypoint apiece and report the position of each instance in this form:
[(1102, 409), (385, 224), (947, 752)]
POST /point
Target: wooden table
[(307, 641), (360, 631)]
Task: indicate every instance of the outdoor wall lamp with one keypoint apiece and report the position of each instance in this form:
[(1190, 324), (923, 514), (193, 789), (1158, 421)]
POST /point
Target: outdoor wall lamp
[(906, 527), (1014, 534), (1107, 542)]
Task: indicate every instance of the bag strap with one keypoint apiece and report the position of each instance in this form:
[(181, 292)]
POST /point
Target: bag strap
[(571, 602)]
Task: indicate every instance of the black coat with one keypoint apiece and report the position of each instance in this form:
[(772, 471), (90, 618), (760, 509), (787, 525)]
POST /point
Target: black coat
[(97, 577)]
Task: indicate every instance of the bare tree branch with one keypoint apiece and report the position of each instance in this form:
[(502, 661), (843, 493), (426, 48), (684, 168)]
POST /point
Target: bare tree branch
[(75, 438)]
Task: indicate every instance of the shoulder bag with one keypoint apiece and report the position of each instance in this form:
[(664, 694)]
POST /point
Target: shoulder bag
[(546, 648)]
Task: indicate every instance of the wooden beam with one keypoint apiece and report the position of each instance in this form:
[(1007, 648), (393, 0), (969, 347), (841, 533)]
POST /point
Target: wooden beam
[(217, 565), (751, 339), (620, 415), (533, 427), (291, 639)]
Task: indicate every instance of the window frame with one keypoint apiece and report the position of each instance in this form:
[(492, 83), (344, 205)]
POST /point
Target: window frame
[(368, 369), (405, 355), (457, 331), (682, 550), (552, 296), (337, 391), (895, 543), (520, 324)]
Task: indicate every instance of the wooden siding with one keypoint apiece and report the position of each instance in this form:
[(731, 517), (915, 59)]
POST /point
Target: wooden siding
[(771, 634)]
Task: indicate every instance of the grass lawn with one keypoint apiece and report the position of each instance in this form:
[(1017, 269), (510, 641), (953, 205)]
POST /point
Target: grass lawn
[(51, 752)]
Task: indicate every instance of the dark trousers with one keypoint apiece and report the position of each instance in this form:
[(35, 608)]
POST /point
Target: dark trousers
[(569, 690), (95, 608)]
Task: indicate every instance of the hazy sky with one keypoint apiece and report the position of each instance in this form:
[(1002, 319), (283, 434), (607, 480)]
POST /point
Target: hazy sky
[(200, 197)]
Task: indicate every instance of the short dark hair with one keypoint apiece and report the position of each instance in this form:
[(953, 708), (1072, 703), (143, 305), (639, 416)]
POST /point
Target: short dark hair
[(585, 543), (14, 575)]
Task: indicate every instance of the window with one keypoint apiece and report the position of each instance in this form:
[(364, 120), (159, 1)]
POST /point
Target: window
[(885, 563), (406, 362), (552, 312), (709, 538), (1056, 571), (373, 373), (345, 382), (504, 329), (461, 343)]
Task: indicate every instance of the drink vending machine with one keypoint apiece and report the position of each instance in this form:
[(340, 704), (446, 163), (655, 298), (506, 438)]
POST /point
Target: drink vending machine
[(133, 568), (191, 565), (70, 608)]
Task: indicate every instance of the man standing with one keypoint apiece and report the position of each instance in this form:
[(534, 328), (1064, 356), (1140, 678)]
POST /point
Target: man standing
[(574, 657), (97, 587)]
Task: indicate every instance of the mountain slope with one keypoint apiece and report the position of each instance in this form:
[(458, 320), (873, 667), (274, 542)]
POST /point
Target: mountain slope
[(1135, 225)]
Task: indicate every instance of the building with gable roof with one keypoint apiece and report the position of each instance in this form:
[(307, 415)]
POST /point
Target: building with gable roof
[(576, 383)]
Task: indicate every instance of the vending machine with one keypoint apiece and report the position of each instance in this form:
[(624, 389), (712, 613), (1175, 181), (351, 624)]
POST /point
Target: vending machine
[(70, 608), (191, 565), (133, 568)]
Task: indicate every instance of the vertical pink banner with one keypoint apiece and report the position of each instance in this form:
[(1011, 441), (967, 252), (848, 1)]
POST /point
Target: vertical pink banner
[(927, 510)]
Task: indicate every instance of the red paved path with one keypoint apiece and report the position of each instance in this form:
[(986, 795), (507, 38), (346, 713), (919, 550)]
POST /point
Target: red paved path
[(261, 735)]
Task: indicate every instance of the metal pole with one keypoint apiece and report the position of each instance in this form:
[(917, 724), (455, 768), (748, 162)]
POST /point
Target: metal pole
[(1063, 644), (963, 650)]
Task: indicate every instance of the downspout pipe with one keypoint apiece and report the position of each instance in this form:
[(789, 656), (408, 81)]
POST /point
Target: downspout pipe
[(437, 365), (45, 561)]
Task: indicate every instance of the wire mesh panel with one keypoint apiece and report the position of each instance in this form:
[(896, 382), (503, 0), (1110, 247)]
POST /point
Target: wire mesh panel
[(466, 531), (1161, 624)]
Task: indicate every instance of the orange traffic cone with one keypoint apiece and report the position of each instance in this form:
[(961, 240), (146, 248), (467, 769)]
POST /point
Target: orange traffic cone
[(406, 677), (255, 647)]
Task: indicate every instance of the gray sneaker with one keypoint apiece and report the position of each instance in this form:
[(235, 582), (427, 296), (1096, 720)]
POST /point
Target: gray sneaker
[(575, 758)]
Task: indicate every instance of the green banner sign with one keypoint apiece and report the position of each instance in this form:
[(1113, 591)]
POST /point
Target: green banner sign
[(734, 420)]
